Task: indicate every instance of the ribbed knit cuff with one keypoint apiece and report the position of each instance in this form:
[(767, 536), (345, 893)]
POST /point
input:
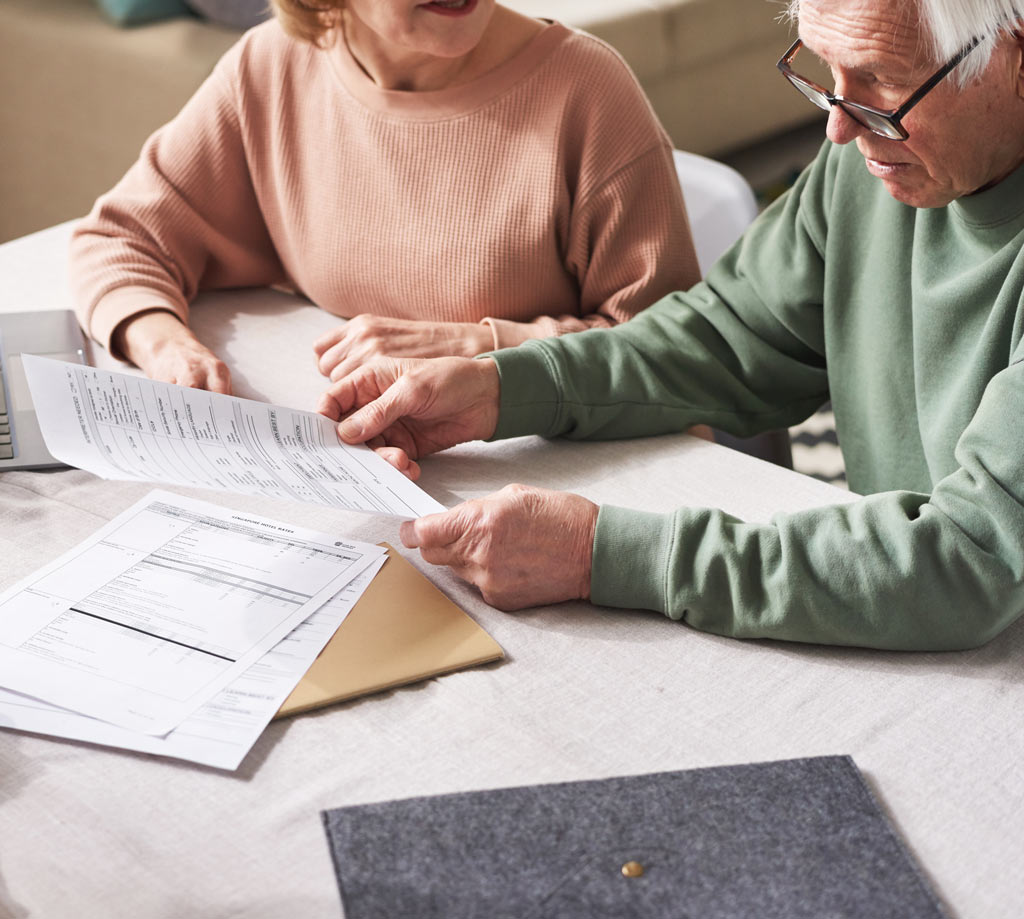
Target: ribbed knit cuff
[(631, 553), (530, 396), (113, 308)]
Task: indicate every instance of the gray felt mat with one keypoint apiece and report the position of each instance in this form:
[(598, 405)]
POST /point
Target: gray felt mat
[(783, 840)]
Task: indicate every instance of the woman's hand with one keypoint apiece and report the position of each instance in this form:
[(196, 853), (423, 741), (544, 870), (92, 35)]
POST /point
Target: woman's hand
[(520, 546), (351, 345), (165, 349)]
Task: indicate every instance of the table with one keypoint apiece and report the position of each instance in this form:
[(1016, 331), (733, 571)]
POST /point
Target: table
[(585, 692)]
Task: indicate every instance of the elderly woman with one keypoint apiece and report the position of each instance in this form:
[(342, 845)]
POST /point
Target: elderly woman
[(451, 176), (890, 278)]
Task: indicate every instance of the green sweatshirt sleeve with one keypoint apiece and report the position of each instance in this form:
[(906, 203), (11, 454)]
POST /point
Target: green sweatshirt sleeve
[(742, 351), (895, 570)]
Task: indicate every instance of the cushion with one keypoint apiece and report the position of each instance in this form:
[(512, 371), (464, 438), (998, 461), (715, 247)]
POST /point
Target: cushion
[(131, 12), (238, 14)]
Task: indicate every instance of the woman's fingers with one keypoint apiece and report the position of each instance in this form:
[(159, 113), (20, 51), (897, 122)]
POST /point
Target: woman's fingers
[(400, 460)]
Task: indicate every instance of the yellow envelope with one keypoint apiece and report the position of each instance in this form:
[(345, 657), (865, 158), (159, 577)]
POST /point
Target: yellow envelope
[(403, 629)]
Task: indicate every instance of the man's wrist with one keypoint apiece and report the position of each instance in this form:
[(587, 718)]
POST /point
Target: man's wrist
[(491, 390), (586, 547)]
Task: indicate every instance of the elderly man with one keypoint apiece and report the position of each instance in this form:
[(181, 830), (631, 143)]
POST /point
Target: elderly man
[(889, 278)]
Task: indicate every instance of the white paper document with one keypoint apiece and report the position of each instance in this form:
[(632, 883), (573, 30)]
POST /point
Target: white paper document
[(223, 730), (164, 607), (120, 426)]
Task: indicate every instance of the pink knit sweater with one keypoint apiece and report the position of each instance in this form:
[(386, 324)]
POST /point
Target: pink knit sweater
[(539, 198)]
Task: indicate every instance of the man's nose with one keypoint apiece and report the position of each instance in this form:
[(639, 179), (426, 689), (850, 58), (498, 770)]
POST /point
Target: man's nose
[(841, 128)]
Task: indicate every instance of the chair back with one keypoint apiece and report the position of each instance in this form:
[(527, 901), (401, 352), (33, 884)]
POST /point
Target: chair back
[(721, 205), (719, 202)]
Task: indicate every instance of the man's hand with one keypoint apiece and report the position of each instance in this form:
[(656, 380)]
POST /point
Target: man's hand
[(417, 406), (166, 349), (366, 336), (521, 546)]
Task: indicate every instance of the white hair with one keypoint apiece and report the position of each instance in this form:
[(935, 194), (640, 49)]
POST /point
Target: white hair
[(951, 24)]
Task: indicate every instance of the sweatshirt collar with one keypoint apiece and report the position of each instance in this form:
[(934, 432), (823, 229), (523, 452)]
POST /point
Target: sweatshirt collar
[(452, 101), (1001, 203)]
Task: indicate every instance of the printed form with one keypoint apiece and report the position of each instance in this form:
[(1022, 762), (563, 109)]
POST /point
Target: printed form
[(222, 731), (165, 606), (120, 426)]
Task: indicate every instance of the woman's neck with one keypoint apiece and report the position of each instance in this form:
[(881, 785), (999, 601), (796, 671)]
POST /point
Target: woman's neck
[(395, 68)]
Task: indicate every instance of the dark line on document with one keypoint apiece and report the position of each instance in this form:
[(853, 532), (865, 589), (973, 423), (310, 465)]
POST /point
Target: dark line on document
[(230, 660)]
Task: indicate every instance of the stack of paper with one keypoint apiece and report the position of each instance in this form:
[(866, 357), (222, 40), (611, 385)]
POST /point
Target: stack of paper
[(179, 628)]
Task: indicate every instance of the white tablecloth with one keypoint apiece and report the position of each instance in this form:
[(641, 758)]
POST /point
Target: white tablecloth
[(585, 693)]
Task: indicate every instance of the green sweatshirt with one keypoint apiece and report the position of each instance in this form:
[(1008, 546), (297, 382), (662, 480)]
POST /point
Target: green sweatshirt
[(911, 321)]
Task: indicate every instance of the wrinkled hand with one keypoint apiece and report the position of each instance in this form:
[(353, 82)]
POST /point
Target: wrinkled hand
[(415, 407), (364, 337), (166, 349), (521, 546)]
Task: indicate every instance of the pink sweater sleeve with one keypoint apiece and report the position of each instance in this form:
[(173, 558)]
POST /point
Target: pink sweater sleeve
[(184, 216), (629, 246)]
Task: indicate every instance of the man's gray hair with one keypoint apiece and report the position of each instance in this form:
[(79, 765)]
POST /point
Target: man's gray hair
[(950, 24)]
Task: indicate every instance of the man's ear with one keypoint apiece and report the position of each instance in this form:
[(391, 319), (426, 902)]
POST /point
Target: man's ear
[(1017, 34)]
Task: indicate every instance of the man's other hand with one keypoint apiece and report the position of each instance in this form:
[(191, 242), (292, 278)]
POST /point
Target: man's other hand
[(521, 546)]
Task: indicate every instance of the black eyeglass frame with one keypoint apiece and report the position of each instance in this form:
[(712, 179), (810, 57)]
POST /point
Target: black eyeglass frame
[(894, 117)]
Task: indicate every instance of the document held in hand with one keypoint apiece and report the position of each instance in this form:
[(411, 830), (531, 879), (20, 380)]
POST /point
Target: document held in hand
[(121, 426)]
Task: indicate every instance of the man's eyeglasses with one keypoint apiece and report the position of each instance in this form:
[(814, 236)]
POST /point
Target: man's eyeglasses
[(887, 124)]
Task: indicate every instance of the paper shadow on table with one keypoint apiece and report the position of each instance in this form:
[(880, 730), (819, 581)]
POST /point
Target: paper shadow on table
[(251, 764), (10, 908), (997, 661), (18, 771), (236, 324), (579, 619), (560, 465)]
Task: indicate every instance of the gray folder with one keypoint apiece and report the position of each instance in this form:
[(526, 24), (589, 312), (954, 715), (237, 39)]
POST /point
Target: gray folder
[(782, 840)]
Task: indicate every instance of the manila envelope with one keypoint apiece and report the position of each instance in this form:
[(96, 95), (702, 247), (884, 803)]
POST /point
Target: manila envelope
[(403, 629)]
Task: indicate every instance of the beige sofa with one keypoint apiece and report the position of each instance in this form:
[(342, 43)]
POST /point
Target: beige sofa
[(78, 96)]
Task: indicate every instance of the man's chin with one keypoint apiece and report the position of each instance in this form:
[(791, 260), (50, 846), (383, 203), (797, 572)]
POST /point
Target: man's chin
[(904, 182), (913, 195)]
